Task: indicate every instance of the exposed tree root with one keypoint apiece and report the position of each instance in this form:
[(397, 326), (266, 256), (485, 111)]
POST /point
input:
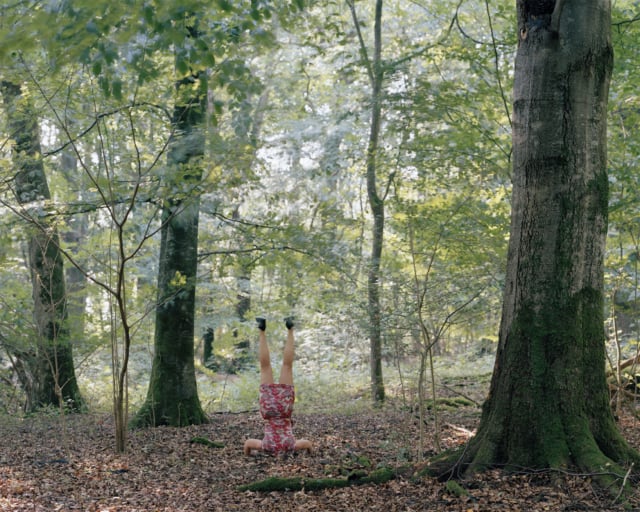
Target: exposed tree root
[(188, 412), (587, 459)]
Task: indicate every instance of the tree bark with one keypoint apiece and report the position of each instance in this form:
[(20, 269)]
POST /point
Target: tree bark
[(376, 201), (75, 280), (207, 345), (548, 403), (242, 270), (172, 397), (51, 370), (377, 209)]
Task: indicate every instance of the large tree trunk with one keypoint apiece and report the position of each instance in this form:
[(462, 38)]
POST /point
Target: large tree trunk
[(548, 404), (51, 371), (172, 397)]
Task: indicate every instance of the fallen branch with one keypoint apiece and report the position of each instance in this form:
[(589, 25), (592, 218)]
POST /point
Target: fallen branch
[(379, 476), (629, 395), (625, 364), (624, 483), (207, 442), (461, 430)]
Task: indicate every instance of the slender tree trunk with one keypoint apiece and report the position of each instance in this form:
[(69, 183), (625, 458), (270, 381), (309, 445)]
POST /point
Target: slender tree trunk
[(53, 380), (253, 121), (376, 201), (243, 268), (76, 281), (207, 345), (377, 209), (172, 398), (331, 212), (548, 405)]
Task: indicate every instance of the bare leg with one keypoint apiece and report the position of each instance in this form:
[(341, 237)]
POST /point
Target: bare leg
[(266, 374), (286, 372), (266, 377)]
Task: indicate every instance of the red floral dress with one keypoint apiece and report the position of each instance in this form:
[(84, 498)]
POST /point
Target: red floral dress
[(276, 406)]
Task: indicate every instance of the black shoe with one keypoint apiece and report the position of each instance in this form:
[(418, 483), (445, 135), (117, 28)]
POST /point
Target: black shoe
[(289, 322), (262, 323)]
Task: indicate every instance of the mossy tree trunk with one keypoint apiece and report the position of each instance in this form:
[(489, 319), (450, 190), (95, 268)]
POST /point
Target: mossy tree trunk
[(172, 397), (548, 404), (49, 371)]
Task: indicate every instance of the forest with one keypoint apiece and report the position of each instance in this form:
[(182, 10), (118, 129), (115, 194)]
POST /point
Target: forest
[(443, 195)]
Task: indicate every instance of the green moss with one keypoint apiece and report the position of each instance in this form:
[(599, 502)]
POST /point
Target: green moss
[(272, 484), (207, 442), (444, 465), (455, 489), (600, 187), (363, 461), (174, 414), (452, 403), (589, 458)]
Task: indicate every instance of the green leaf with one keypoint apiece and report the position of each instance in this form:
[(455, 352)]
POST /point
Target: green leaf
[(225, 5), (103, 82), (116, 87), (182, 66)]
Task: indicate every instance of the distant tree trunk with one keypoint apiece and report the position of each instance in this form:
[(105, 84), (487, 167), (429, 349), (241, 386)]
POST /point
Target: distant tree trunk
[(52, 371), (172, 397), (76, 281), (548, 406), (377, 209), (330, 210), (251, 122), (376, 201), (207, 345), (243, 279)]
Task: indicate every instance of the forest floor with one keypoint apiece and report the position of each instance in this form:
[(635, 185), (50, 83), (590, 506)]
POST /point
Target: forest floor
[(50, 463)]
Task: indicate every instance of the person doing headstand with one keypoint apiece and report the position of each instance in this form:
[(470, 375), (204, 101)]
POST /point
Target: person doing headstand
[(276, 400)]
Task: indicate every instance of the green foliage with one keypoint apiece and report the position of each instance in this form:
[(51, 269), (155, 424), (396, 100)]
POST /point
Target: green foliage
[(623, 242), (282, 195)]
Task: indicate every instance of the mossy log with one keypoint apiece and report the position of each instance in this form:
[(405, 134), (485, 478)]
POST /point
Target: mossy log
[(275, 483), (207, 442)]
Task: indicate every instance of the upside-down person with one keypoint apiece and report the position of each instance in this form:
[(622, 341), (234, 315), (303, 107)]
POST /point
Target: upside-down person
[(276, 400)]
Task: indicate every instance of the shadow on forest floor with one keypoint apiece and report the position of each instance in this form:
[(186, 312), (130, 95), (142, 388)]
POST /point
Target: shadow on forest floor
[(50, 463)]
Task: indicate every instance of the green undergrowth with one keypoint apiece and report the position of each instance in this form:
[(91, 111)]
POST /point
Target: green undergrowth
[(328, 386), (344, 389), (333, 388)]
